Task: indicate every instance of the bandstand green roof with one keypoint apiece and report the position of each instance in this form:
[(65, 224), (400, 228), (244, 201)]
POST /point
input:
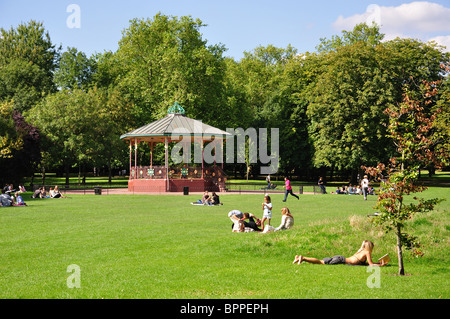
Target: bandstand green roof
[(176, 123)]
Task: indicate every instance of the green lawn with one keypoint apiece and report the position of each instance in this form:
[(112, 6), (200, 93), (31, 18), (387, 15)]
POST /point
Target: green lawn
[(162, 247)]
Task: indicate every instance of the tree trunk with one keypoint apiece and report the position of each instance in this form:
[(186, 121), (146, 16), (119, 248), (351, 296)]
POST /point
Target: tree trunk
[(67, 173), (43, 176), (109, 171), (401, 268)]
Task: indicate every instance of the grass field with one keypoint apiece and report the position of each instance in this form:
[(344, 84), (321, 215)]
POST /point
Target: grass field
[(142, 246)]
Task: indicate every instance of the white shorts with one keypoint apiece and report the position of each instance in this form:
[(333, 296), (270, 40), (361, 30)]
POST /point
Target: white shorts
[(267, 215)]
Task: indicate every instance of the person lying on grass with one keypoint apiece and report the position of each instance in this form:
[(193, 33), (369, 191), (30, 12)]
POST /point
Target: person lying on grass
[(362, 257), (253, 222), (240, 225)]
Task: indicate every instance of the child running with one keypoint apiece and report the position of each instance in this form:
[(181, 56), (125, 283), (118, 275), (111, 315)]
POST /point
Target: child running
[(267, 208)]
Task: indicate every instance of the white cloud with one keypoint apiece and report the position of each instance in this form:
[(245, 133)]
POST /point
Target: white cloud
[(421, 19), (443, 40)]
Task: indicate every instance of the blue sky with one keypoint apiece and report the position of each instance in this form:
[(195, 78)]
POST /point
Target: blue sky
[(239, 25)]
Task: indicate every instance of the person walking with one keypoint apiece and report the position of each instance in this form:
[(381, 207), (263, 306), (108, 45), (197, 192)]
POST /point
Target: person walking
[(322, 185), (365, 186)]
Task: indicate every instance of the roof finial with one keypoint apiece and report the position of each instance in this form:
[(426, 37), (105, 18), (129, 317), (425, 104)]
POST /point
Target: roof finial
[(176, 109)]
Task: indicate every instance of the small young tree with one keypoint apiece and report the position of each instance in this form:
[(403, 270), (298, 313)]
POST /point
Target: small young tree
[(411, 128)]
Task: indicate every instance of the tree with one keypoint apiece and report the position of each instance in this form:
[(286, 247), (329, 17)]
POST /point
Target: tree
[(27, 62), (411, 128), (165, 60), (75, 70), (19, 145), (442, 121), (261, 91), (8, 135), (359, 77), (361, 33), (408, 60), (82, 128), (346, 106), (295, 144)]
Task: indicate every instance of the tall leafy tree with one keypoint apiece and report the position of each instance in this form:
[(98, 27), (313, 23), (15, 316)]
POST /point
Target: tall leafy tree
[(19, 145), (360, 76), (165, 59), (442, 121), (81, 127), (296, 145), (346, 108), (27, 62), (260, 83)]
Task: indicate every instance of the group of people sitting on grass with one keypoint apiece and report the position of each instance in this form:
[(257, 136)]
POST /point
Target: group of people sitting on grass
[(365, 189), (208, 200), (352, 190), (247, 222), (10, 197), (42, 193)]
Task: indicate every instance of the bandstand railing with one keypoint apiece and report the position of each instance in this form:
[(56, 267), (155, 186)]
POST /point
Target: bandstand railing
[(213, 174)]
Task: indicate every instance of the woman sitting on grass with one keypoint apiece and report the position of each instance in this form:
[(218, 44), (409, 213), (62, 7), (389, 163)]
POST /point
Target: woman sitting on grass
[(287, 220), (55, 193), (362, 257)]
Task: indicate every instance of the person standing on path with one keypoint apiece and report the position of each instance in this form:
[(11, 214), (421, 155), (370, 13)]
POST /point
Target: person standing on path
[(287, 185)]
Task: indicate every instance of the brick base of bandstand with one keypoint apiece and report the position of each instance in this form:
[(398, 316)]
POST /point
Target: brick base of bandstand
[(171, 186)]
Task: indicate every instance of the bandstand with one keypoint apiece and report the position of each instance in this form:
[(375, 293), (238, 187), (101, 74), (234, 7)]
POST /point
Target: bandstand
[(176, 127)]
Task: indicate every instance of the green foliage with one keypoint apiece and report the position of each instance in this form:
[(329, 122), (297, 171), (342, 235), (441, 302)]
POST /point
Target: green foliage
[(9, 139), (361, 33), (165, 60), (359, 78), (346, 108), (82, 126), (27, 61), (75, 70)]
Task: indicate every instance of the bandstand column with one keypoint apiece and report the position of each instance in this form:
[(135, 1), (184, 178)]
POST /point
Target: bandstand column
[(202, 157), (151, 155), (166, 151), (221, 152), (130, 159), (135, 157)]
